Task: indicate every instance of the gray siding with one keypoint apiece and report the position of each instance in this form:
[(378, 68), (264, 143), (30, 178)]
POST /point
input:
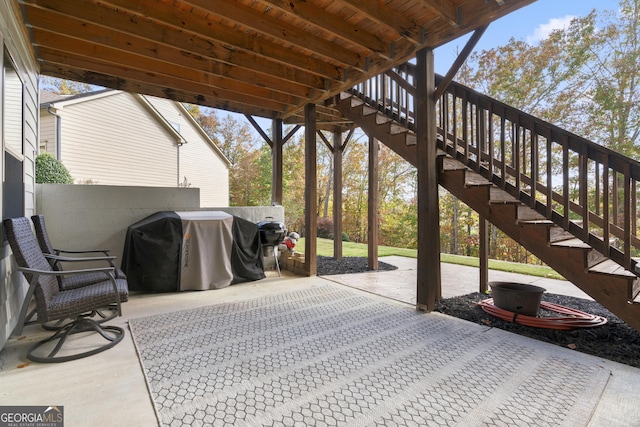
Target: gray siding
[(12, 286)]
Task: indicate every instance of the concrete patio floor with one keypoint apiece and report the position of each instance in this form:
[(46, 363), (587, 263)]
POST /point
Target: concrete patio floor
[(110, 388)]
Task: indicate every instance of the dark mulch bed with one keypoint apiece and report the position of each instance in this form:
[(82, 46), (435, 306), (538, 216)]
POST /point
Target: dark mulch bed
[(613, 341), (327, 265)]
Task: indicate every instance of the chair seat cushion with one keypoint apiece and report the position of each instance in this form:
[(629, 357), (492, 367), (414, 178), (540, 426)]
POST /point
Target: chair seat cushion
[(80, 280), (70, 303)]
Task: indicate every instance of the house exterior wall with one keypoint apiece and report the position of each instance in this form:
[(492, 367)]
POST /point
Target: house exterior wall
[(201, 165), (118, 138), (114, 140), (12, 284), (48, 133)]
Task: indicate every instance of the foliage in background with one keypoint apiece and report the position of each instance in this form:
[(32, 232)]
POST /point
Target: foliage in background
[(50, 170)]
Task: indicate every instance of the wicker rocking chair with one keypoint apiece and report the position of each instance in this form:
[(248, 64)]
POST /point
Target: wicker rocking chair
[(57, 257), (53, 303)]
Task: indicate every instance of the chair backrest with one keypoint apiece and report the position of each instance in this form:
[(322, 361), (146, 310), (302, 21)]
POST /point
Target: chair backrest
[(41, 235), (28, 254)]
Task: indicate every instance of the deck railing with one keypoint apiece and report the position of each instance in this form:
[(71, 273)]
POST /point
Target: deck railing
[(589, 190)]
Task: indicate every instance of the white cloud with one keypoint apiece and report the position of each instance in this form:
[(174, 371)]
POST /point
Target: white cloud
[(543, 30)]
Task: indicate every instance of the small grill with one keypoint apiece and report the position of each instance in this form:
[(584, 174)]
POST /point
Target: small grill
[(272, 233)]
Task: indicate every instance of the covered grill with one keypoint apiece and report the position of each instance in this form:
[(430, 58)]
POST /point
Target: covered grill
[(272, 233)]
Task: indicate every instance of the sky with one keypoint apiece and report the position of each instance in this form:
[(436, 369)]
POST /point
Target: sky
[(530, 23)]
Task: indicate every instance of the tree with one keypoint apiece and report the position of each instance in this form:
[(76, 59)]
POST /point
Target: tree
[(65, 87), (50, 170)]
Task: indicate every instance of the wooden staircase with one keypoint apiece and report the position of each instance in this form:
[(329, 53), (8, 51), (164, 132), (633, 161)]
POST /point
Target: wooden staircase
[(565, 247)]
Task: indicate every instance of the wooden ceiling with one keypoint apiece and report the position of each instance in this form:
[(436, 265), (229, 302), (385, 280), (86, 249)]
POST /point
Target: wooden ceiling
[(257, 57)]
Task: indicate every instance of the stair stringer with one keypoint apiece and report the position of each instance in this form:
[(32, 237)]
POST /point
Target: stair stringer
[(402, 143), (610, 290)]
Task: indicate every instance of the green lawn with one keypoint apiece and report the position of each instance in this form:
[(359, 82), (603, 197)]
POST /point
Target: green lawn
[(325, 248)]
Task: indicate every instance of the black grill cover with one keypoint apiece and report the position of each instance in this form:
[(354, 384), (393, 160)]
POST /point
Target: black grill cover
[(246, 258), (151, 256), (152, 253)]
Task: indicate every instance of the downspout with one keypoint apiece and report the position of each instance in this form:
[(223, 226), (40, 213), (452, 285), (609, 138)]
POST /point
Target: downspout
[(51, 110), (178, 166)]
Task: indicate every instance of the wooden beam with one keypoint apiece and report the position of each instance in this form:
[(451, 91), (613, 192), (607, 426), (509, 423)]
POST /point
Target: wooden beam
[(259, 129), (384, 15), (333, 24), (464, 54), (337, 194), (166, 75), (372, 206), (264, 23), (446, 10), (290, 134), (276, 163), (171, 26), (159, 89), (428, 272), (484, 254), (326, 141), (310, 192)]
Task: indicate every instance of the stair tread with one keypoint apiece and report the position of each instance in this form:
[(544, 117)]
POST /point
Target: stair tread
[(472, 179), (367, 111), (395, 129), (609, 266), (572, 243), (381, 119), (498, 196), (449, 164), (526, 215), (558, 234)]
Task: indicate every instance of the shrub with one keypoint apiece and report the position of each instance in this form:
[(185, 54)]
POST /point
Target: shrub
[(325, 228), (345, 237), (50, 170)]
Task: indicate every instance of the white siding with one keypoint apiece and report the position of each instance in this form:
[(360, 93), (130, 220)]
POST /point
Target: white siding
[(114, 140), (48, 132), (14, 288), (200, 162)]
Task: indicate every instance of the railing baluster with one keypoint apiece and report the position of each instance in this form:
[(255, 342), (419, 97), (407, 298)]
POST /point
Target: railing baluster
[(566, 207), (534, 166), (582, 198), (490, 139), (549, 192), (605, 207), (468, 124), (503, 150), (627, 216)]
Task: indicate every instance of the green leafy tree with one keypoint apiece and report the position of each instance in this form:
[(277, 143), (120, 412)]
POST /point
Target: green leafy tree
[(50, 170)]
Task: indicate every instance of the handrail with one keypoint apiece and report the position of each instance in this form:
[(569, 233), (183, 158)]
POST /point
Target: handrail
[(583, 187)]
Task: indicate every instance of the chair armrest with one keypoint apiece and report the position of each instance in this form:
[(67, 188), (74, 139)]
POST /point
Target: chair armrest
[(77, 259), (65, 272), (88, 251)]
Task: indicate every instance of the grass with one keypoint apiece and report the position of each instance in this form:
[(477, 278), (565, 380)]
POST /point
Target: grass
[(350, 249)]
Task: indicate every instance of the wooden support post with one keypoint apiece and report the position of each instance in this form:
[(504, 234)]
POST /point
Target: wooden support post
[(276, 163), (337, 194), (310, 191), (372, 227), (429, 276), (484, 254)]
